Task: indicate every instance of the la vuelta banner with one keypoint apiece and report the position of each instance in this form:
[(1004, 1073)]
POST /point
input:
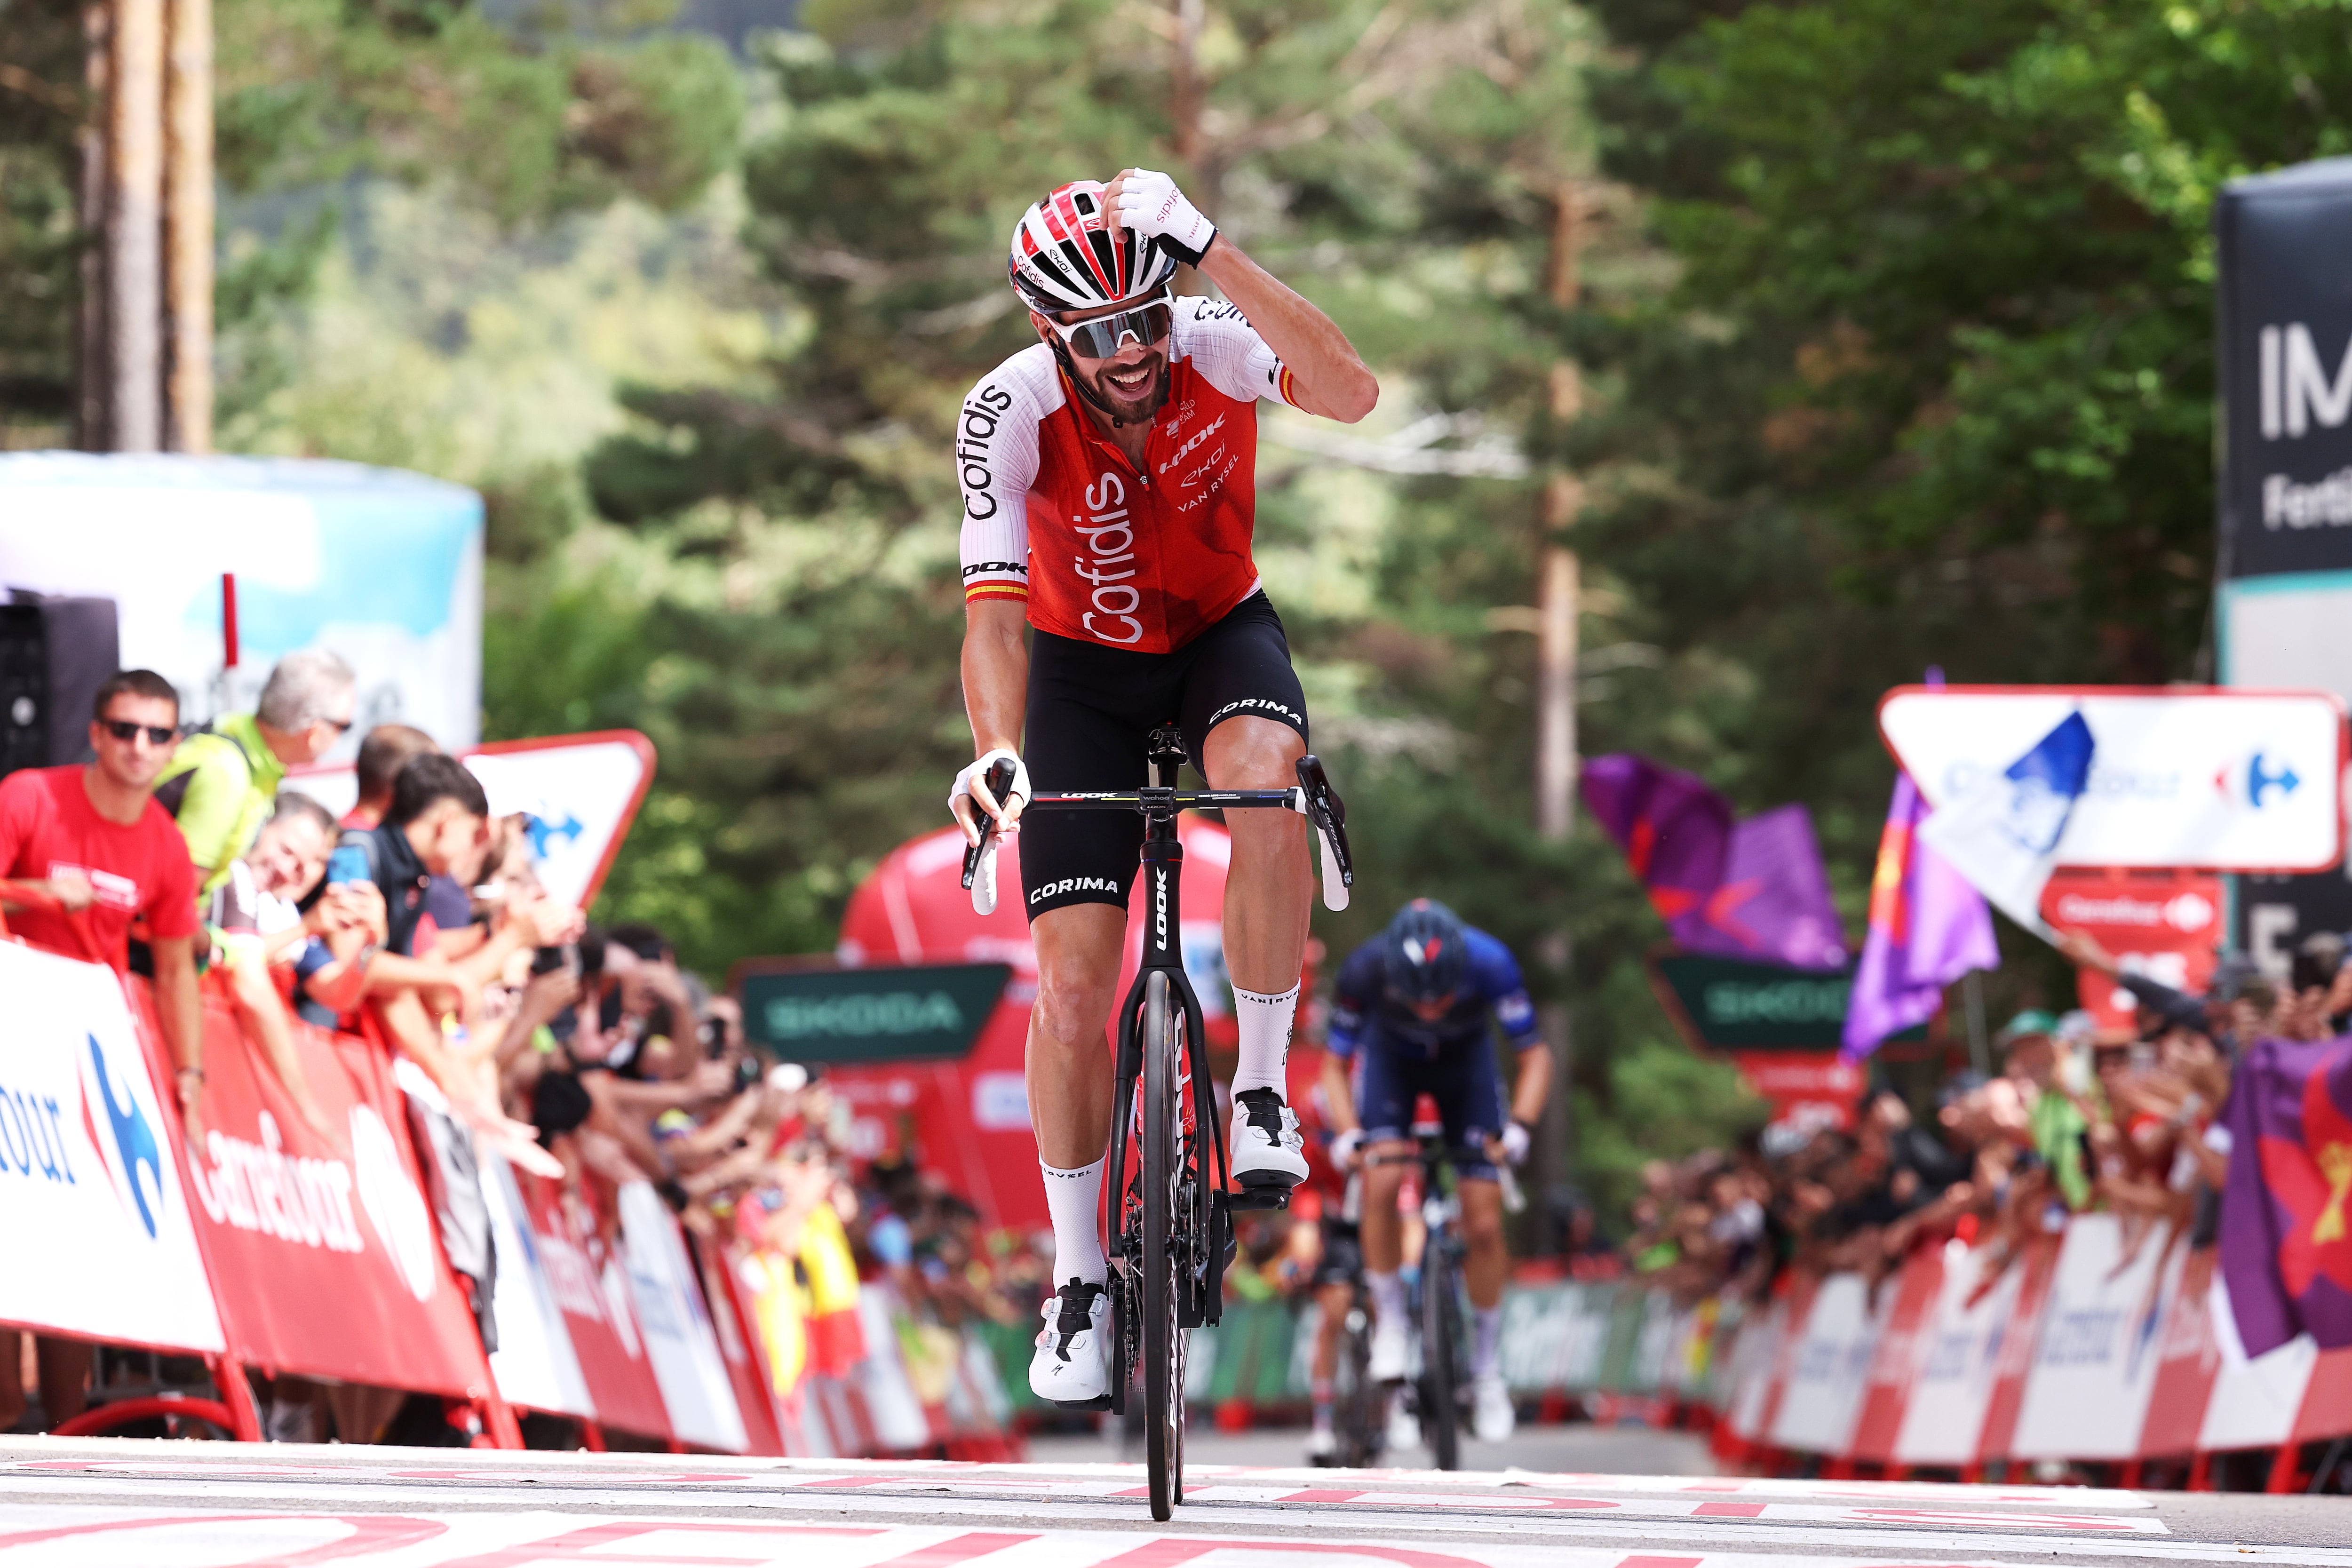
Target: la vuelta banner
[(95, 1220), (323, 1249)]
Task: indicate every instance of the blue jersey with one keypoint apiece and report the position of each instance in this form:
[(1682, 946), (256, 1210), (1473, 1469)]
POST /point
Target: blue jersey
[(1362, 1014)]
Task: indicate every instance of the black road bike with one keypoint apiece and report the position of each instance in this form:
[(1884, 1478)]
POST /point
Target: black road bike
[(1171, 1223)]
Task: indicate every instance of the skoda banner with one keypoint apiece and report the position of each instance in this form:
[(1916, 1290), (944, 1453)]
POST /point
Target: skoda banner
[(94, 1218), (2286, 491)]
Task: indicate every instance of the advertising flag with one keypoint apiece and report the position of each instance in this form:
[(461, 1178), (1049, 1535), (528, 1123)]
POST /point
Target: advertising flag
[(2286, 1209), (1927, 928), (2002, 835)]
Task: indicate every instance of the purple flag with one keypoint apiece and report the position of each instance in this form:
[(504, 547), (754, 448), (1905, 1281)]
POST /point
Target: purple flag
[(2286, 1210), (1927, 928), (1754, 890), (1773, 903), (1676, 829)]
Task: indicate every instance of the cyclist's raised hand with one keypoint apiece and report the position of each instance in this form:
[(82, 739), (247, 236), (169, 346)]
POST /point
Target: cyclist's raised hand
[(969, 787), (1148, 202)]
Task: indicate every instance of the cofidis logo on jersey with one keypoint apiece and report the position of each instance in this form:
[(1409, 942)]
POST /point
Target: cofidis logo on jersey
[(124, 1134)]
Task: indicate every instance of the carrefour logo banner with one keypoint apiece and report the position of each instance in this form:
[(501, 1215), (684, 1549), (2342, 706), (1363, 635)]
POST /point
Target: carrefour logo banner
[(94, 1220), (2212, 778)]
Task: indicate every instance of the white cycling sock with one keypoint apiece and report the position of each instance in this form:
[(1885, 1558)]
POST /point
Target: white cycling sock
[(1485, 1339), (1265, 1038), (1388, 1297), (1071, 1198)]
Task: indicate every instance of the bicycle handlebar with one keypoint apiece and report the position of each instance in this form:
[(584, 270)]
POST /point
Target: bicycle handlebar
[(1314, 798)]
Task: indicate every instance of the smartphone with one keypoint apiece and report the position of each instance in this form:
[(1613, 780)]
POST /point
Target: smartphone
[(348, 864)]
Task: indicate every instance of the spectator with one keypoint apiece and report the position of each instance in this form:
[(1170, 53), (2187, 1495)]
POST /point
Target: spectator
[(84, 853), (383, 751), (222, 781), (253, 922)]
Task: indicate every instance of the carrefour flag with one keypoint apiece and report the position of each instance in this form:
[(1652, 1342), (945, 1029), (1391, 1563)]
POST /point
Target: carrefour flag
[(2002, 835)]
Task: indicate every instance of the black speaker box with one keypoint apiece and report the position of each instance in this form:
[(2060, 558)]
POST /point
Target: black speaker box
[(55, 653)]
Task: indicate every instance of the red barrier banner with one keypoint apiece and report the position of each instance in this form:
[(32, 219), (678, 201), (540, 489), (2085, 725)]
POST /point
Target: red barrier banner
[(1895, 1362), (755, 1398), (590, 1284), (323, 1254), (95, 1219)]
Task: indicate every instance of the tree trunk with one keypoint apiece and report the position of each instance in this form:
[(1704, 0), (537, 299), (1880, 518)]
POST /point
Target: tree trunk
[(188, 100), (134, 234), (92, 381), (1557, 590)]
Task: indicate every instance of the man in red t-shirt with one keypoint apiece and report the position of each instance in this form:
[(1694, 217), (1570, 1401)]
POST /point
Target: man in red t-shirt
[(84, 851)]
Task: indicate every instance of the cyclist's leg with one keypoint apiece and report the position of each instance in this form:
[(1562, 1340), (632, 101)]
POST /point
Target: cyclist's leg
[(1470, 1099), (1384, 1098), (1075, 870), (1245, 719)]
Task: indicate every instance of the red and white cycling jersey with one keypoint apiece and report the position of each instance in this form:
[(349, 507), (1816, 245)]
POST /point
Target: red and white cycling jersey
[(1055, 513)]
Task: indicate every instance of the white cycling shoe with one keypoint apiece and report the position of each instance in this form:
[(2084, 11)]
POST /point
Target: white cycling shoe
[(1072, 1366), (1267, 1150), (1391, 1350), (1492, 1419), (1404, 1426), (1322, 1446)]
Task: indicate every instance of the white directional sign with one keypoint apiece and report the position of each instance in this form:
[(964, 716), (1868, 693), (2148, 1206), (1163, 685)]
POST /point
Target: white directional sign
[(2220, 778)]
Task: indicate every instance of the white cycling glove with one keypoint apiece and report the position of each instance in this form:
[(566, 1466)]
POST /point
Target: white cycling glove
[(1149, 203), (1344, 1146), (1514, 1144), (968, 782)]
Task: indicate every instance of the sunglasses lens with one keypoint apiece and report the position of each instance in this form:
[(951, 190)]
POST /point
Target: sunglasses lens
[(1101, 339)]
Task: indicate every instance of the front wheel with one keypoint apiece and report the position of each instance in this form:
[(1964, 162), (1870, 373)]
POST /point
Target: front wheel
[(1160, 1297), (1441, 1338)]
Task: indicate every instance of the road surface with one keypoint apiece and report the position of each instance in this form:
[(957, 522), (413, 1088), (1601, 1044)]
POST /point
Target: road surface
[(134, 1504)]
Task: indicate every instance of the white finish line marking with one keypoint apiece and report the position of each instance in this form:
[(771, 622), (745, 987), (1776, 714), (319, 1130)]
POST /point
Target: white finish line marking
[(151, 1505)]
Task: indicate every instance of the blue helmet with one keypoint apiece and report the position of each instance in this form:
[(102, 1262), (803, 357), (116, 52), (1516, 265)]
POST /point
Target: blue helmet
[(1426, 952)]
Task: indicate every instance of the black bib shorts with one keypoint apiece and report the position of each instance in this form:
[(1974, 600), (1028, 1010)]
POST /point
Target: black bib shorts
[(1091, 712)]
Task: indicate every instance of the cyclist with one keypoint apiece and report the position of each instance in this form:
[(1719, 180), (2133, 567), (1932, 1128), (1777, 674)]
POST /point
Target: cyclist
[(1107, 474), (1414, 1004)]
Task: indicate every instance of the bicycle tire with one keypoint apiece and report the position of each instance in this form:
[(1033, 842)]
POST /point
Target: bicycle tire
[(1441, 1313), (1360, 1443), (1163, 1239)]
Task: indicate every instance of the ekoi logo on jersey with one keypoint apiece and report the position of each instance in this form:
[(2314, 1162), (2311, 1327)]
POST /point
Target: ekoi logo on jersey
[(1110, 540)]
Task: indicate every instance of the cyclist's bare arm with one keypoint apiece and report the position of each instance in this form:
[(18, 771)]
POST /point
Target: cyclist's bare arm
[(1339, 1098), (1326, 373), (1534, 1087), (995, 687)]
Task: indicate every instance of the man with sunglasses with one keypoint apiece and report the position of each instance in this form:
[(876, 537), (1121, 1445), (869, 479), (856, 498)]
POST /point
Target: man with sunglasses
[(222, 784), (85, 850), (1108, 476), (1411, 1014)]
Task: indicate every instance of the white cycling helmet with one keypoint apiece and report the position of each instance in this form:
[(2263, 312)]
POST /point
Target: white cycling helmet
[(1063, 257)]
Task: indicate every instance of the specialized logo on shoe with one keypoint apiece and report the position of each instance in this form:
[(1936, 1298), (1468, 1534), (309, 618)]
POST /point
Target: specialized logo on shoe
[(1073, 885), (1268, 704)]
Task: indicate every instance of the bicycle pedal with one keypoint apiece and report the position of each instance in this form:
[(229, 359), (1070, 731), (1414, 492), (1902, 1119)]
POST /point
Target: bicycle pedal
[(1100, 1402), (1251, 1199)]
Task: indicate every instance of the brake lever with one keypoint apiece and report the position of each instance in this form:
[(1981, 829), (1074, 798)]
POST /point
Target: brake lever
[(1329, 813), (980, 860)]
